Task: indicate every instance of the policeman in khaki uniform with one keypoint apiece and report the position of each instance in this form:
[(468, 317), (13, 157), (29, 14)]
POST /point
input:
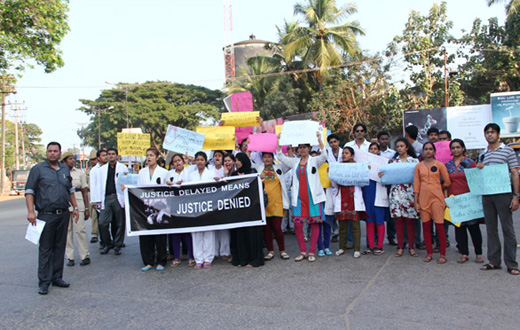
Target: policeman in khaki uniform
[(77, 228), (93, 214)]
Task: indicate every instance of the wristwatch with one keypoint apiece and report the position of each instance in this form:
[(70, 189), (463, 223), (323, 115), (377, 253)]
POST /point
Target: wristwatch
[(76, 209), (517, 195)]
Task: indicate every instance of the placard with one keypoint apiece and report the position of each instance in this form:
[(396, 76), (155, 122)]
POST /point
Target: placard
[(218, 138), (241, 102), (264, 142), (467, 123), (465, 207), (193, 207), (300, 132), (240, 119), (490, 180), (126, 179), (324, 175), (443, 151), (349, 174), (375, 162), (183, 141), (133, 144), (398, 173)]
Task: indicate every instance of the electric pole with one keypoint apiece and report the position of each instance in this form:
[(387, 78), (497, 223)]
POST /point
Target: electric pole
[(6, 88), (14, 106)]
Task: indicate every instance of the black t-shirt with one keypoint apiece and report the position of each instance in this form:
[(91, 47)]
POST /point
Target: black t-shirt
[(111, 185)]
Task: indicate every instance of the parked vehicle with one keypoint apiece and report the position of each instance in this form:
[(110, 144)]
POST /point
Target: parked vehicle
[(19, 179)]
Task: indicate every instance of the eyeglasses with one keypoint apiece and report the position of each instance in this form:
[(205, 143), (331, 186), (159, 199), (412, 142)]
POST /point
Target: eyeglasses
[(360, 131)]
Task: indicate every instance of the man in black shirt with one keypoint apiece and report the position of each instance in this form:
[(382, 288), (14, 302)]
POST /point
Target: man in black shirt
[(49, 191)]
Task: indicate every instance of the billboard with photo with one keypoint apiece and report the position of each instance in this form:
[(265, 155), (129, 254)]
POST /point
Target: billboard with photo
[(505, 108)]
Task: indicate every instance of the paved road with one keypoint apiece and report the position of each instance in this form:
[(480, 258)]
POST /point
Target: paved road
[(373, 292)]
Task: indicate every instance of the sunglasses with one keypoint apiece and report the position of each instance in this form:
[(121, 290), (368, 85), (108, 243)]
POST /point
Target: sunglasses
[(360, 131)]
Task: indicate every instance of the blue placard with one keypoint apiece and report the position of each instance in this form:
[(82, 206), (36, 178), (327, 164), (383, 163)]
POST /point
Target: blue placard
[(183, 141), (125, 179), (398, 173), (350, 174), (465, 207), (491, 180)]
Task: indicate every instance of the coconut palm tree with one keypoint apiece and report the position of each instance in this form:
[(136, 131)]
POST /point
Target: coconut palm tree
[(320, 42), (511, 7)]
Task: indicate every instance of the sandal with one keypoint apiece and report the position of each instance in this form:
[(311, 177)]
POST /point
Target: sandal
[(321, 253), (513, 271), (413, 254), (311, 258), (224, 258), (399, 253), (378, 252), (191, 262), (284, 255), (428, 258), (175, 263), (198, 266), (479, 259), (301, 257), (206, 265), (269, 256), (462, 259), (442, 260), (340, 252), (367, 251), (490, 267)]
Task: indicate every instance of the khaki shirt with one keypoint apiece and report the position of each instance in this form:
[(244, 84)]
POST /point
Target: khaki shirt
[(79, 181)]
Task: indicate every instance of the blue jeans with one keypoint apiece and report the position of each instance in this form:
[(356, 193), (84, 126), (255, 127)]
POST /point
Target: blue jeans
[(325, 231)]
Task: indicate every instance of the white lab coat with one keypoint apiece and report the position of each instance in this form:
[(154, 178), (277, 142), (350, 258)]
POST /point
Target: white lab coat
[(279, 170), (101, 174)]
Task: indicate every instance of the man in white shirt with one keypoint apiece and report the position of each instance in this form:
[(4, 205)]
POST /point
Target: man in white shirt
[(360, 131), (383, 138)]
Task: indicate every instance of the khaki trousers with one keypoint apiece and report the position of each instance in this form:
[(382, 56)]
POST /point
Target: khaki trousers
[(80, 232)]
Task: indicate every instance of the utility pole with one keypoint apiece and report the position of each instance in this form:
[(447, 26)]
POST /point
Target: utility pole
[(446, 97), (14, 106), (23, 146), (6, 87)]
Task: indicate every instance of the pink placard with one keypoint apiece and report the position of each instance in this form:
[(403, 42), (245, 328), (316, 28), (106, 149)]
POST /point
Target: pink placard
[(443, 153), (262, 142), (242, 133), (242, 102)]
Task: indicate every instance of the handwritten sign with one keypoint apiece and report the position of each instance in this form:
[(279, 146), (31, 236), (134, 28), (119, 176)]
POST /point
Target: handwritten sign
[(397, 173), (183, 141), (262, 142), (324, 175), (349, 174), (443, 151), (465, 207), (133, 144), (242, 102), (375, 162), (126, 179), (240, 119), (300, 132), (492, 179), (218, 138)]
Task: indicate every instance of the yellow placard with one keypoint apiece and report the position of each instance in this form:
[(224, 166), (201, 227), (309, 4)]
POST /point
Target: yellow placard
[(240, 119), (278, 129), (447, 216), (133, 144), (324, 175), (218, 138)]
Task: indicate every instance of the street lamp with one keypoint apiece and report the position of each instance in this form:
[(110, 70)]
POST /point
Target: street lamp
[(98, 113), (126, 97)]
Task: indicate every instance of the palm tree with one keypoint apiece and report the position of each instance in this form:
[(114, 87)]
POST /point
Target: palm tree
[(319, 42), (511, 7)]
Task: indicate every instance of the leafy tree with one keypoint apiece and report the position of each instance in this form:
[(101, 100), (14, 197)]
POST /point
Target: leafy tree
[(319, 42), (32, 30), (34, 151), (151, 107)]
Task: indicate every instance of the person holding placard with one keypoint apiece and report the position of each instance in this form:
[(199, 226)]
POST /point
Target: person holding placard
[(307, 193), (177, 175), (383, 138), (459, 185), (429, 198), (500, 205), (376, 203), (149, 245), (278, 200), (203, 241), (247, 242), (401, 199), (349, 208)]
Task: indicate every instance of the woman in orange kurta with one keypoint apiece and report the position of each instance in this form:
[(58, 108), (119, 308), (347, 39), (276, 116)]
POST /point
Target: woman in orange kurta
[(429, 198)]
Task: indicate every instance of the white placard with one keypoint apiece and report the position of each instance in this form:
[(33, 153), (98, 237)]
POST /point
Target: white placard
[(467, 123), (33, 233), (300, 132), (375, 162)]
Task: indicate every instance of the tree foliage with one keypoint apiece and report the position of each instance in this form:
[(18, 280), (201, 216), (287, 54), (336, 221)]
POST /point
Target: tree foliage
[(151, 107), (34, 151), (32, 30)]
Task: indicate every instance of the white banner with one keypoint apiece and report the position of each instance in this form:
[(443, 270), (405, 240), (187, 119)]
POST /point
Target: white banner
[(300, 132), (467, 123)]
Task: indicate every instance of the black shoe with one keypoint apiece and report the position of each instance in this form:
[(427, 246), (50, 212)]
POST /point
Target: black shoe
[(101, 247), (117, 252), (392, 241), (44, 289), (105, 250), (85, 262), (447, 243), (123, 245), (420, 246), (70, 263), (334, 238), (93, 240), (60, 283)]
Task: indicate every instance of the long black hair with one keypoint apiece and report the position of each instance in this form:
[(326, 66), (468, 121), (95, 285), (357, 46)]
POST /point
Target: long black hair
[(411, 150)]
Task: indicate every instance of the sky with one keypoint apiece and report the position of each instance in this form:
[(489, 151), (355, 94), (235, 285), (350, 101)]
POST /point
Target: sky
[(134, 41)]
